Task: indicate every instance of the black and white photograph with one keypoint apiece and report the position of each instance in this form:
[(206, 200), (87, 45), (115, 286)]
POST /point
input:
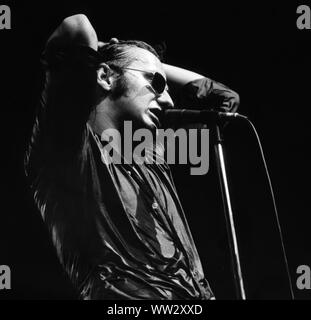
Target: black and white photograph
[(155, 151)]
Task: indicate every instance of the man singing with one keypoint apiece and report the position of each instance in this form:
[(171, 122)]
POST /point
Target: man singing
[(119, 228)]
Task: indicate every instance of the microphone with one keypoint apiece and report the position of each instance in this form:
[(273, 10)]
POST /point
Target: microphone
[(184, 116)]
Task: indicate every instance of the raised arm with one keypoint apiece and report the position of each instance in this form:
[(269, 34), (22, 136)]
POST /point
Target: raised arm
[(179, 76), (70, 59), (74, 30), (196, 90)]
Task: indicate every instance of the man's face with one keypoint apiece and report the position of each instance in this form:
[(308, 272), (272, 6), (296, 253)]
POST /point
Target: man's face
[(140, 103)]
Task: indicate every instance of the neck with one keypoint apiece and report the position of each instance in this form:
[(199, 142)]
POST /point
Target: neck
[(104, 118), (105, 122)]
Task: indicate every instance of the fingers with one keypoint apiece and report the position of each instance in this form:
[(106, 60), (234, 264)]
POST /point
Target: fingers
[(113, 41), (101, 44)]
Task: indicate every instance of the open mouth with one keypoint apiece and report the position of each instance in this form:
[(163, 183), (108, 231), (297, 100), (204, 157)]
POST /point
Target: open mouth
[(155, 115)]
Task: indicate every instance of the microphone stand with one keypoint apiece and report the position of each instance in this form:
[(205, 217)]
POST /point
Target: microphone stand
[(233, 246), (213, 118)]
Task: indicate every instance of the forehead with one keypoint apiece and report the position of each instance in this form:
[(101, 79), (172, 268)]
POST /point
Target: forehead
[(145, 59)]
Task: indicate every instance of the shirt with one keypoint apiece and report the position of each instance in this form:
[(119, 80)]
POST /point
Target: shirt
[(119, 230)]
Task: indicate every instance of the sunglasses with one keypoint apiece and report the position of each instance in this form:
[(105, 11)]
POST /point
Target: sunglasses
[(157, 81)]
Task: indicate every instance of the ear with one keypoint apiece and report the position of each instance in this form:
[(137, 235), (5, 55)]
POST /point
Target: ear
[(104, 77)]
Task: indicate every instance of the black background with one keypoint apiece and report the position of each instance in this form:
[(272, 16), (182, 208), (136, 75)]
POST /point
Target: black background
[(254, 48)]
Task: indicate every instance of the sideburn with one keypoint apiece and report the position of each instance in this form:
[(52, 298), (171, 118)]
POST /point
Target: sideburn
[(120, 88)]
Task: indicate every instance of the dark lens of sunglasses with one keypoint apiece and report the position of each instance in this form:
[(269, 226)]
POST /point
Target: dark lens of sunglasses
[(158, 83)]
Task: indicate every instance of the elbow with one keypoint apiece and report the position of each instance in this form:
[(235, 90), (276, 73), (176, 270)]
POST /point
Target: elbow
[(77, 20), (79, 31)]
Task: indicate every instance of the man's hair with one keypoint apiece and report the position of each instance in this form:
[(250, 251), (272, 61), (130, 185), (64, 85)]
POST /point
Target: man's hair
[(117, 54)]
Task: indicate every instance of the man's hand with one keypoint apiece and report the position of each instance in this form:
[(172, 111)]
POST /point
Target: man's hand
[(111, 41)]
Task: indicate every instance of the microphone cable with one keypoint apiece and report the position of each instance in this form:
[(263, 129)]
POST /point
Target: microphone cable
[(244, 118)]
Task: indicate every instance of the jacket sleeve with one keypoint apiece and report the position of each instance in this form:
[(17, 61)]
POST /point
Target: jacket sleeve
[(208, 94), (68, 93)]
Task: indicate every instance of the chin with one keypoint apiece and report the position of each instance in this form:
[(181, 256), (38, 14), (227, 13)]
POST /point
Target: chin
[(145, 123), (152, 126)]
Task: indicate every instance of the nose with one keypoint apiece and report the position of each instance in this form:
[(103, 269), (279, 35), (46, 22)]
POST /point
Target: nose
[(165, 100)]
